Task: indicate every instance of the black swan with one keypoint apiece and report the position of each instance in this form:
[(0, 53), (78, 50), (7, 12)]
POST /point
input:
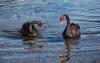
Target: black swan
[(72, 30), (28, 29)]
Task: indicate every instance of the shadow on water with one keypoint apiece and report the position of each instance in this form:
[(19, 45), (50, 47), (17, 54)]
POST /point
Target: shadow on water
[(10, 35), (29, 41), (32, 45), (15, 34)]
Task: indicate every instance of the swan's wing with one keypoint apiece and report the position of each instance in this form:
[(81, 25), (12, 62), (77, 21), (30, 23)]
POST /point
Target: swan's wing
[(74, 29), (75, 25)]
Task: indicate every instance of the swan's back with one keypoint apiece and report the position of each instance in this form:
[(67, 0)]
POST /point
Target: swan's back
[(74, 29), (28, 29)]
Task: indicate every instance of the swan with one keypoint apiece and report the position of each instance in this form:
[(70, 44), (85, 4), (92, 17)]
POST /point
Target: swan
[(72, 30), (28, 28)]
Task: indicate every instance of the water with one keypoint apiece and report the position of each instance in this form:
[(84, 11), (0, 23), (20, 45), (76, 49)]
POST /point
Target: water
[(48, 47)]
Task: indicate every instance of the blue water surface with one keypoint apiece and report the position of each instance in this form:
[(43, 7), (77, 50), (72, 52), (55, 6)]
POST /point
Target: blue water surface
[(48, 47)]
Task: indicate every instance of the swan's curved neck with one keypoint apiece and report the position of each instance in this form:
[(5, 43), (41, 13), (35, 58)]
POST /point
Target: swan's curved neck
[(68, 21), (67, 28)]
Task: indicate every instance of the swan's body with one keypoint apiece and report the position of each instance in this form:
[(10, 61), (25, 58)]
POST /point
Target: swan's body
[(72, 30), (28, 29)]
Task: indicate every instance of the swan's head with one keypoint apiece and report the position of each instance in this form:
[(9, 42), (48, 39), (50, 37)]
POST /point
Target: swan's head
[(39, 23), (62, 18)]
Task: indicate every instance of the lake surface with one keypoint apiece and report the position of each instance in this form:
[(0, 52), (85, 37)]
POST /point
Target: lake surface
[(50, 46)]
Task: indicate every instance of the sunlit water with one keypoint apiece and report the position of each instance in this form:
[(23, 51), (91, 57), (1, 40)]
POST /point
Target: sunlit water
[(48, 47)]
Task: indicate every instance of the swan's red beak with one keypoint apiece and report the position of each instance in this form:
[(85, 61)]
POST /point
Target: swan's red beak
[(61, 20), (42, 27)]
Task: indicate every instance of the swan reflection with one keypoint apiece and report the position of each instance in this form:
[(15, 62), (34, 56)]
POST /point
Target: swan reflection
[(68, 42)]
